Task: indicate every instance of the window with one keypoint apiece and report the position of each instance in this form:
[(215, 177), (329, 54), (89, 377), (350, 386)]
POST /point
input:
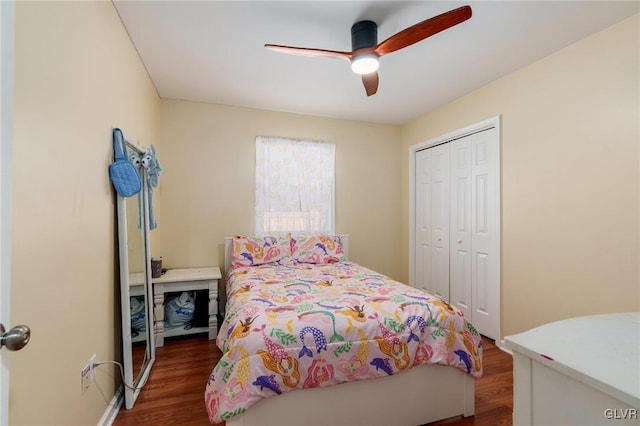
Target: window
[(295, 182)]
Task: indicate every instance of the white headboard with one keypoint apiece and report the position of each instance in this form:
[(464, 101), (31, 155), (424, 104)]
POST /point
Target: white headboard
[(344, 240)]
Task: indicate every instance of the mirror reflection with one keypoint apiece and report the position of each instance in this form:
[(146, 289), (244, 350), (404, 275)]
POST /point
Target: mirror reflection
[(137, 298)]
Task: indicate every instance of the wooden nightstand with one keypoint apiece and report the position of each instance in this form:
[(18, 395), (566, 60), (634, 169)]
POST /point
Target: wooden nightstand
[(178, 280)]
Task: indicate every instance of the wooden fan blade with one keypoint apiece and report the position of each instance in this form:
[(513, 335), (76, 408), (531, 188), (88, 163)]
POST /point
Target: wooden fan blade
[(310, 52), (422, 30), (370, 82)]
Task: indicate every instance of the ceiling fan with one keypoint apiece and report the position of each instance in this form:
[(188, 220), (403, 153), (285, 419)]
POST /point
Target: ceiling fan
[(365, 48)]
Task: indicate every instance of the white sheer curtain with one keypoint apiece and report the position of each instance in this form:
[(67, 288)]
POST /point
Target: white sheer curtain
[(295, 183)]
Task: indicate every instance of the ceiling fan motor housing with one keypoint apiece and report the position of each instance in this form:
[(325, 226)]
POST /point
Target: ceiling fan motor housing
[(364, 34)]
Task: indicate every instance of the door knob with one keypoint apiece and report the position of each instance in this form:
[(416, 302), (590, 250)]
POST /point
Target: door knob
[(16, 338), (459, 241)]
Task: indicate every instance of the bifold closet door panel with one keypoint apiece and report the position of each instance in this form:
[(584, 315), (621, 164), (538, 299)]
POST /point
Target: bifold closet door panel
[(485, 260), (457, 225), (440, 220), (460, 225), (423, 221)]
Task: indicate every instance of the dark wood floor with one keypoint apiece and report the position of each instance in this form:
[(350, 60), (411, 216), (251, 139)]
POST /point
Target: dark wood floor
[(494, 391), (174, 393)]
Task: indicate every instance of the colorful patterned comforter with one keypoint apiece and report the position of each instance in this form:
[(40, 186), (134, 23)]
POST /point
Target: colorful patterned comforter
[(304, 326)]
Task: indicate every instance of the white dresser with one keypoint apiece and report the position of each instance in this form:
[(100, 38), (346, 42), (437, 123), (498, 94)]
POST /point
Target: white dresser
[(580, 371), (179, 280)]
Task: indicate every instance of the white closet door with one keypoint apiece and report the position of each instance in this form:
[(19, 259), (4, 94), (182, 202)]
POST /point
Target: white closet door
[(457, 222), (485, 262), (440, 221), (423, 221), (460, 241)]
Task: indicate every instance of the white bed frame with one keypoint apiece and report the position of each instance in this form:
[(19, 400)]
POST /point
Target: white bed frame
[(419, 395)]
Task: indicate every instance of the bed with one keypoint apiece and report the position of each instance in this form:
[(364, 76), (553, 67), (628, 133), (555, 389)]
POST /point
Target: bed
[(357, 347)]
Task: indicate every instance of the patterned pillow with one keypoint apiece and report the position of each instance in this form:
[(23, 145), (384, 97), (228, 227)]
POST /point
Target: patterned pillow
[(318, 249), (251, 251)]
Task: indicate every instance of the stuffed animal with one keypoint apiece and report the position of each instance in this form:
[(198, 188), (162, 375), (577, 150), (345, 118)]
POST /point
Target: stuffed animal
[(152, 165), (148, 162)]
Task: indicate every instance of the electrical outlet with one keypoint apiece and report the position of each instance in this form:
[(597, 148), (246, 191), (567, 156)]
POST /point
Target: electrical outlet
[(92, 368), (85, 381), (88, 373)]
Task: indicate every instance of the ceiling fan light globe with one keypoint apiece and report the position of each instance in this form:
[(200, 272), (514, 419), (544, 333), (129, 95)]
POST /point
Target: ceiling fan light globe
[(364, 64)]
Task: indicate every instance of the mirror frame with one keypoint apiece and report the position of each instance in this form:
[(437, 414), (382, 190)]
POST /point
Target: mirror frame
[(130, 395)]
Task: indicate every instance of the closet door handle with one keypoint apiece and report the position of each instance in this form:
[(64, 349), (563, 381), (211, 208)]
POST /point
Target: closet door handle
[(459, 241)]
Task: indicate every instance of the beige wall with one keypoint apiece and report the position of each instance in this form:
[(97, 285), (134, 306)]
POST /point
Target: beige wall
[(570, 178), (571, 192), (207, 187), (77, 75)]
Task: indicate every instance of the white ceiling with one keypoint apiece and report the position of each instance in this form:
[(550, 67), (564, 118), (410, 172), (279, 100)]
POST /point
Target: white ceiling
[(212, 51)]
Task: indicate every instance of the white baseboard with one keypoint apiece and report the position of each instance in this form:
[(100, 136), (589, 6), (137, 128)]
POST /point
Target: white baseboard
[(504, 348), (112, 410)]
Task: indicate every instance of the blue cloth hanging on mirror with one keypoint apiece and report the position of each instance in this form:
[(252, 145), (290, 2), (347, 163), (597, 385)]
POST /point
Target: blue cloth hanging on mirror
[(147, 162), (123, 174)]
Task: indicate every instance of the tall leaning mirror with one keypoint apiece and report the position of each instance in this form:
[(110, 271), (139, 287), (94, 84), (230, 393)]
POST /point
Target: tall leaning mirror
[(135, 286)]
